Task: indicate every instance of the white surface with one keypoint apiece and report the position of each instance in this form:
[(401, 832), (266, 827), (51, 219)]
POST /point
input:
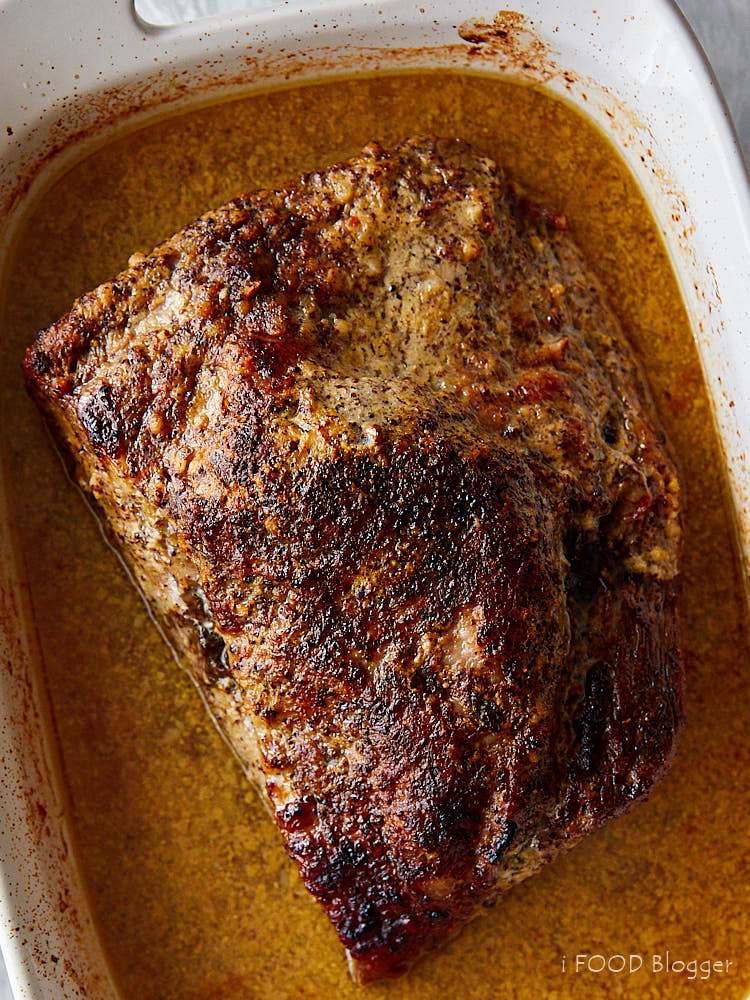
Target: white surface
[(162, 12), (723, 27)]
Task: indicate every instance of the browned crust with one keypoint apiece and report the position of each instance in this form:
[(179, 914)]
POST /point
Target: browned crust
[(444, 573)]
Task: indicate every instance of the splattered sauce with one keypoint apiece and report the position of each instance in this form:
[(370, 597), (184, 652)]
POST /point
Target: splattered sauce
[(193, 893)]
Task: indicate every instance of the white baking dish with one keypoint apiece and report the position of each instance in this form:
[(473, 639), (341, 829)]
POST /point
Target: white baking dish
[(69, 73)]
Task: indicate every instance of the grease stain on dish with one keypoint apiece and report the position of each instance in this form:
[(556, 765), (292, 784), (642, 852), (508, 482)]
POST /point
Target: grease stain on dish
[(511, 37)]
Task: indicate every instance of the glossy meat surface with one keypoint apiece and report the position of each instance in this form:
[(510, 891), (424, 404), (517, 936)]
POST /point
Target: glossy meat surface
[(382, 463)]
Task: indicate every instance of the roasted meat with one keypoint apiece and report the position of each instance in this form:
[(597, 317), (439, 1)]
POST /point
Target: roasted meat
[(384, 466)]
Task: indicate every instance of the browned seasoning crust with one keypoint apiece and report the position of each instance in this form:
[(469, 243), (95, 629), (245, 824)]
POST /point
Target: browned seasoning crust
[(382, 462)]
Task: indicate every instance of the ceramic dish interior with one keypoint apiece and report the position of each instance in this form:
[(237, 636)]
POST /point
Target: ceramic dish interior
[(74, 75)]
